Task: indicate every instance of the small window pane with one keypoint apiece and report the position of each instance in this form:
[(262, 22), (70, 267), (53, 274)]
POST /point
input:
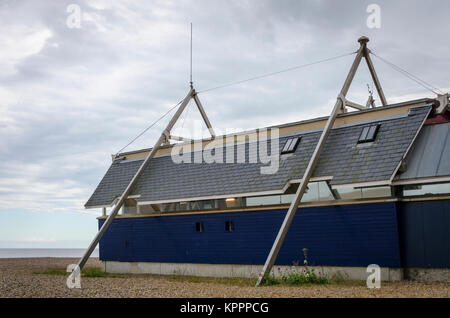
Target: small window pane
[(293, 144), (363, 135), (287, 198), (369, 133), (287, 145), (325, 192), (199, 226), (376, 192), (265, 200), (207, 204), (372, 132), (233, 202), (290, 145), (229, 226), (147, 209), (349, 193), (311, 193), (129, 207)]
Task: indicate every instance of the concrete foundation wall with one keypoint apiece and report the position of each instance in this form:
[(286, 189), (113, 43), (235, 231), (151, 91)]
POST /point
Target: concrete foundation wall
[(231, 270), (428, 274)]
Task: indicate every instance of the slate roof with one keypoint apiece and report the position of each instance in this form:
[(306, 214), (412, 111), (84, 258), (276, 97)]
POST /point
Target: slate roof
[(430, 154), (342, 157)]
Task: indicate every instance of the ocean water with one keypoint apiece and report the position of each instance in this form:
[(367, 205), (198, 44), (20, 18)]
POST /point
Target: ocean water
[(44, 252)]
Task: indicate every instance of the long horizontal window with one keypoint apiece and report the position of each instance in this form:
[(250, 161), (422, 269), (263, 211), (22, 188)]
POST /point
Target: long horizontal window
[(351, 193), (426, 189), (315, 192)]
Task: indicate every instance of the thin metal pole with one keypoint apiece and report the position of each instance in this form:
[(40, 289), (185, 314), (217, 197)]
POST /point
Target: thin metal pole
[(133, 181), (338, 108), (204, 116), (376, 80), (191, 83), (363, 41)]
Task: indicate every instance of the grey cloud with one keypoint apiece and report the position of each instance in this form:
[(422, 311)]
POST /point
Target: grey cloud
[(88, 91)]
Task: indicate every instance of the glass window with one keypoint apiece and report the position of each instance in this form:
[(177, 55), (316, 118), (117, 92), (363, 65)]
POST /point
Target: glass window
[(311, 193), (129, 207), (147, 209), (263, 200), (199, 227), (183, 206), (315, 192), (291, 145), (426, 189), (376, 192), (286, 145), (287, 198), (368, 133), (349, 193), (168, 207), (233, 202), (207, 204), (324, 192), (229, 226)]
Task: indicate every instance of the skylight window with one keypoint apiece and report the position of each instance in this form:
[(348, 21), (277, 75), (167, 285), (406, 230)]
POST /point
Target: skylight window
[(369, 133), (291, 145)]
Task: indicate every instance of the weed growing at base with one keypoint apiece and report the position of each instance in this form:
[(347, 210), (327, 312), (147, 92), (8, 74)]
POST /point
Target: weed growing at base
[(87, 272), (297, 275)]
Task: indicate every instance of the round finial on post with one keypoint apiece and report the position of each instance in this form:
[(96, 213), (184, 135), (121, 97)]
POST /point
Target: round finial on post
[(363, 40)]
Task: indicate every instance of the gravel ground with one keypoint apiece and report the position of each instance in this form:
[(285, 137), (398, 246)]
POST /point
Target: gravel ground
[(18, 278)]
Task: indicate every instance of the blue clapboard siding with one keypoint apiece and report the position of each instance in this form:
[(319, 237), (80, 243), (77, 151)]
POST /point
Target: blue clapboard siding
[(351, 235), (425, 233)]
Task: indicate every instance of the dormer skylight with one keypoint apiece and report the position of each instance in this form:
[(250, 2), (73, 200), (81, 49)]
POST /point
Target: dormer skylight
[(291, 145), (369, 133)]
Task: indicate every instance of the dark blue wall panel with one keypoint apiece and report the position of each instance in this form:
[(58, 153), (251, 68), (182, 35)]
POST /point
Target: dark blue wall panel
[(425, 233), (351, 235)]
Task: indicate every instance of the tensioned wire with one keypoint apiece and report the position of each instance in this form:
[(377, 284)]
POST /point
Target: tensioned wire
[(412, 77), (293, 68), (146, 129)]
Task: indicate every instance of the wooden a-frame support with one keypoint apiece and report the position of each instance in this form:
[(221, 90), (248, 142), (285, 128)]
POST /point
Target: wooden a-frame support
[(339, 107), (163, 139), (165, 136)]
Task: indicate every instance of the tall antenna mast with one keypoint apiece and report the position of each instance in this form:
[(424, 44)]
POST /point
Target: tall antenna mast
[(190, 82)]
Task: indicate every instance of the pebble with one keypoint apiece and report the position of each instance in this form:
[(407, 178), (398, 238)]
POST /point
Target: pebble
[(17, 279)]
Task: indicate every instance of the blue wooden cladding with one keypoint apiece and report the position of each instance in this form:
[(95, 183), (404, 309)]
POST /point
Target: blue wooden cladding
[(350, 235), (425, 234)]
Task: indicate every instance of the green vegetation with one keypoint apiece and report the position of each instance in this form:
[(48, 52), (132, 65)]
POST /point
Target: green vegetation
[(233, 281), (86, 272), (304, 276), (296, 276)]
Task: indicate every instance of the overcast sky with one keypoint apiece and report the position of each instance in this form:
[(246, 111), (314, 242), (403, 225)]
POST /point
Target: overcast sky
[(70, 97)]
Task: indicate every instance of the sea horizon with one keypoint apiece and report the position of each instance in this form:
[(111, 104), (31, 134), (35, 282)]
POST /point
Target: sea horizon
[(13, 252)]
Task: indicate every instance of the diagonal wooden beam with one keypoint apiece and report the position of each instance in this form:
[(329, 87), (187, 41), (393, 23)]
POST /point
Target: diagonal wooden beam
[(204, 116), (133, 181), (374, 74), (338, 108)]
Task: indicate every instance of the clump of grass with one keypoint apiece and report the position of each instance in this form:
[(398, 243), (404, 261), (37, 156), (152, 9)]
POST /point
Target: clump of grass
[(342, 278), (86, 272), (298, 276), (269, 280), (234, 281), (94, 272), (304, 276)]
